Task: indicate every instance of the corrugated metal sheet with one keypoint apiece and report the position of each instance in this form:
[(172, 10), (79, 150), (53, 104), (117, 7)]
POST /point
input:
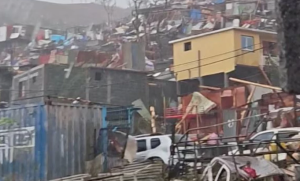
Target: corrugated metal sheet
[(21, 144), (71, 139), (46, 142)]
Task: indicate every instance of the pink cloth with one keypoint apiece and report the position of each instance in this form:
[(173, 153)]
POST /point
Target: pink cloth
[(213, 139), (250, 171)]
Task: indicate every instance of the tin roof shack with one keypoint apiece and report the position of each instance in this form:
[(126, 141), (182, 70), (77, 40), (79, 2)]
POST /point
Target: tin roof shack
[(110, 86)]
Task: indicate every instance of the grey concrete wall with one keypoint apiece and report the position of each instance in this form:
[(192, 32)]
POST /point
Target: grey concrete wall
[(57, 85), (33, 82), (119, 87)]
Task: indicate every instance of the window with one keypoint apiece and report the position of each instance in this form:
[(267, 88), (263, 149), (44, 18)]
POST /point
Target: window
[(187, 46), (33, 79), (270, 48), (264, 137), (155, 142), (21, 89), (286, 135), (141, 145), (247, 43), (98, 76)]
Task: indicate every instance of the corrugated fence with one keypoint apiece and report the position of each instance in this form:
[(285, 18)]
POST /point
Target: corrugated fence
[(46, 142)]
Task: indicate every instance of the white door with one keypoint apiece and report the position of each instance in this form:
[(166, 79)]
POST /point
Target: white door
[(142, 150)]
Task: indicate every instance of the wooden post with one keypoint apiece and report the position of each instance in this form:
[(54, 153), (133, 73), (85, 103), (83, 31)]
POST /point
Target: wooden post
[(243, 113), (226, 82), (198, 125), (177, 84), (209, 87), (165, 107), (152, 110), (199, 67)]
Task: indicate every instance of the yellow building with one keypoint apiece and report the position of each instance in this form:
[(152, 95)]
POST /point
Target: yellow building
[(220, 51)]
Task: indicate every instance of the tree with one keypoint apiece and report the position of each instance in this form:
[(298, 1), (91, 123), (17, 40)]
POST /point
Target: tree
[(130, 3), (288, 32), (109, 6)]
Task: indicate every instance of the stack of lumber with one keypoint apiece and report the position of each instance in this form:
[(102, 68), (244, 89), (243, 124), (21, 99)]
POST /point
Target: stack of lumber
[(145, 171), (136, 172)]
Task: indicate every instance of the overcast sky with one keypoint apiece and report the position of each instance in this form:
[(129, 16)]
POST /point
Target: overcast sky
[(121, 3)]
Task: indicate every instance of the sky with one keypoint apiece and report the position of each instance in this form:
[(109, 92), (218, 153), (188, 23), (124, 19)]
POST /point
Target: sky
[(120, 3)]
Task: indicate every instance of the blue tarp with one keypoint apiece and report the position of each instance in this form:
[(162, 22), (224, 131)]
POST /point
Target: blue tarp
[(219, 1), (195, 14), (57, 38)]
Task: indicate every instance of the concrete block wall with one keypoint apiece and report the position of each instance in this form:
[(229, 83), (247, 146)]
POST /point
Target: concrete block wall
[(120, 87), (56, 84), (33, 82)]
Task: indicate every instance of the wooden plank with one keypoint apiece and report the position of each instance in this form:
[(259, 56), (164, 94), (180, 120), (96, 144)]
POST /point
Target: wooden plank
[(209, 87), (80, 176), (255, 84)]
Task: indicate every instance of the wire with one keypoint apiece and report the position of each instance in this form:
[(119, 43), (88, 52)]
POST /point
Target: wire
[(213, 56), (211, 62), (122, 82), (105, 85), (190, 61), (144, 78), (171, 73), (72, 99)]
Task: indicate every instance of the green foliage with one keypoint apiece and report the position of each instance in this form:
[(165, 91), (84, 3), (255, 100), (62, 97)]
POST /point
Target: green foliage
[(7, 122)]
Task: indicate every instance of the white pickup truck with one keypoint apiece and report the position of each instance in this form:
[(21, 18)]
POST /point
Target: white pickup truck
[(268, 135)]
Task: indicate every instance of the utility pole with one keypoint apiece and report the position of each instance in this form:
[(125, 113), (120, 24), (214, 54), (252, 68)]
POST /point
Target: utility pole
[(87, 84)]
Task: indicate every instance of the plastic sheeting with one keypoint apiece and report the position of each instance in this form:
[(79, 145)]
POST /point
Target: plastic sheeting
[(200, 104)]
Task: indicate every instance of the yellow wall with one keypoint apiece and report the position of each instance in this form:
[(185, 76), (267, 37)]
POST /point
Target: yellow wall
[(251, 58), (211, 47), (247, 57), (224, 48)]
